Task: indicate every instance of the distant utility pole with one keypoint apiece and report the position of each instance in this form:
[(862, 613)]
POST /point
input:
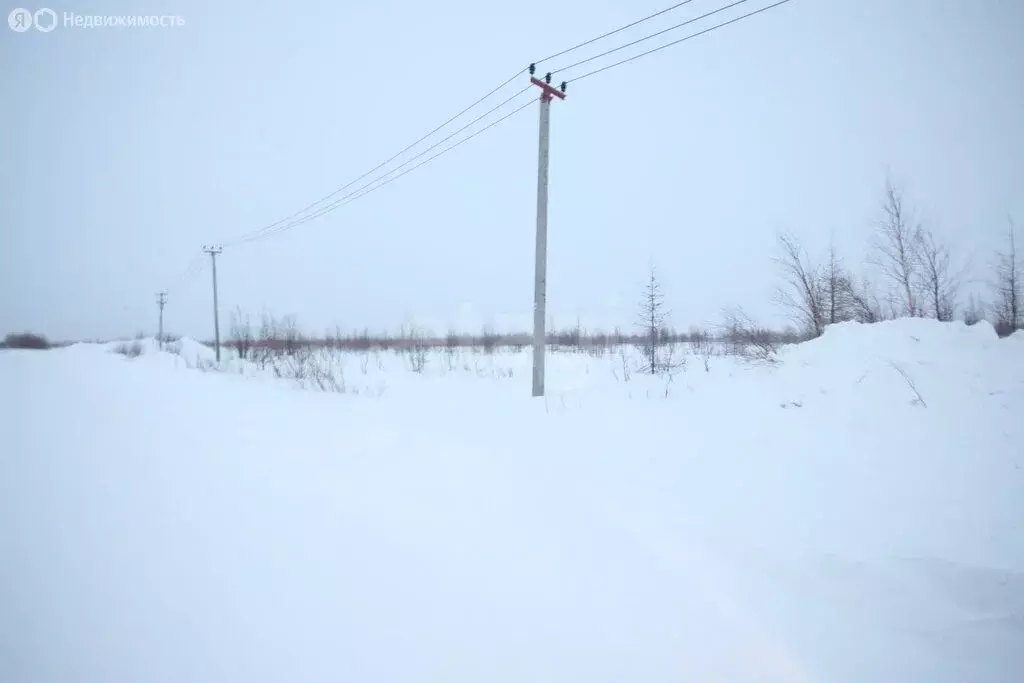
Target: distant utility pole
[(541, 258), (161, 301), (213, 251)]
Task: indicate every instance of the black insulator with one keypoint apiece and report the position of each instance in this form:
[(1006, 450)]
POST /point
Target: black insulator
[(533, 67), (547, 77), (563, 86)]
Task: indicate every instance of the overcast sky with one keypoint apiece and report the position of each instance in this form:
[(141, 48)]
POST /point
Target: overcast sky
[(127, 149)]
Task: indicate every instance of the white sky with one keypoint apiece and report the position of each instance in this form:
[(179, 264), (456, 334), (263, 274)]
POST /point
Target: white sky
[(127, 149)]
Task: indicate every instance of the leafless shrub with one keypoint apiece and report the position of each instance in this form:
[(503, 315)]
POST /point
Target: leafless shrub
[(624, 360), (199, 363), (240, 333), (748, 340), (263, 350), (311, 369), (488, 340), (974, 312), (26, 340), (418, 352), (702, 346), (290, 337), (864, 304), (671, 362), (130, 350), (668, 384)]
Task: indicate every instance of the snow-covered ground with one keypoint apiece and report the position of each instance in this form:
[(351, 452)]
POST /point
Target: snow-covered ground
[(854, 513)]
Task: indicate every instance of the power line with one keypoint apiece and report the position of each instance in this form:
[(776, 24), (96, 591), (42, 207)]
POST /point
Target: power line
[(295, 219), (354, 196), (381, 165), (612, 33), (362, 192), (652, 35), (272, 226), (194, 266), (290, 220), (676, 42), (250, 237)]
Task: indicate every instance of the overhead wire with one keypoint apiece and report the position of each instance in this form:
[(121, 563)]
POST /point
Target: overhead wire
[(680, 40), (650, 36), (384, 163), (270, 227), (367, 189), (330, 207), (194, 267), (612, 33)]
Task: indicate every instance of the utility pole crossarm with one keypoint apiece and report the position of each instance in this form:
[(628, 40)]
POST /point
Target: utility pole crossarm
[(547, 90)]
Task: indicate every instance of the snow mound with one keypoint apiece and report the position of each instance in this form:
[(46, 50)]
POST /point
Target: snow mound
[(187, 347), (906, 335), (910, 362)]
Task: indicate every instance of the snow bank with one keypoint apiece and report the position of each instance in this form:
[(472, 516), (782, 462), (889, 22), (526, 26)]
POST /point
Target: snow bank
[(186, 347), (211, 526), (855, 367), (903, 336)]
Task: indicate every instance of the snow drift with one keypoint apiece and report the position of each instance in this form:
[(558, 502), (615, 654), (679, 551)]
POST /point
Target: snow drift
[(853, 512)]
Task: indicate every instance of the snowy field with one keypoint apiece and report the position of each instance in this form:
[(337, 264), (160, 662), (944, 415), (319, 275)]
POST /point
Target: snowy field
[(852, 513)]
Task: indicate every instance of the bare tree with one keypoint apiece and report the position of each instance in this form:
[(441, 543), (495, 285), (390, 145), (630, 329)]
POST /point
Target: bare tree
[(802, 295), (1008, 287), (651, 319), (896, 250), (836, 289), (940, 286)]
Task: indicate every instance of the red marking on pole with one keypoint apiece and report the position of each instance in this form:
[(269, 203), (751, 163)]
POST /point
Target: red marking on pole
[(548, 90)]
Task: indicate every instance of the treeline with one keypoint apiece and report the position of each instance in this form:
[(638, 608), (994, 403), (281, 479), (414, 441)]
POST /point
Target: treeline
[(283, 336)]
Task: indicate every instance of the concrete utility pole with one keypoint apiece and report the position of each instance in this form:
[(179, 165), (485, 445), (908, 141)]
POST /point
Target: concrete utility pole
[(541, 258), (161, 301), (213, 251)]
